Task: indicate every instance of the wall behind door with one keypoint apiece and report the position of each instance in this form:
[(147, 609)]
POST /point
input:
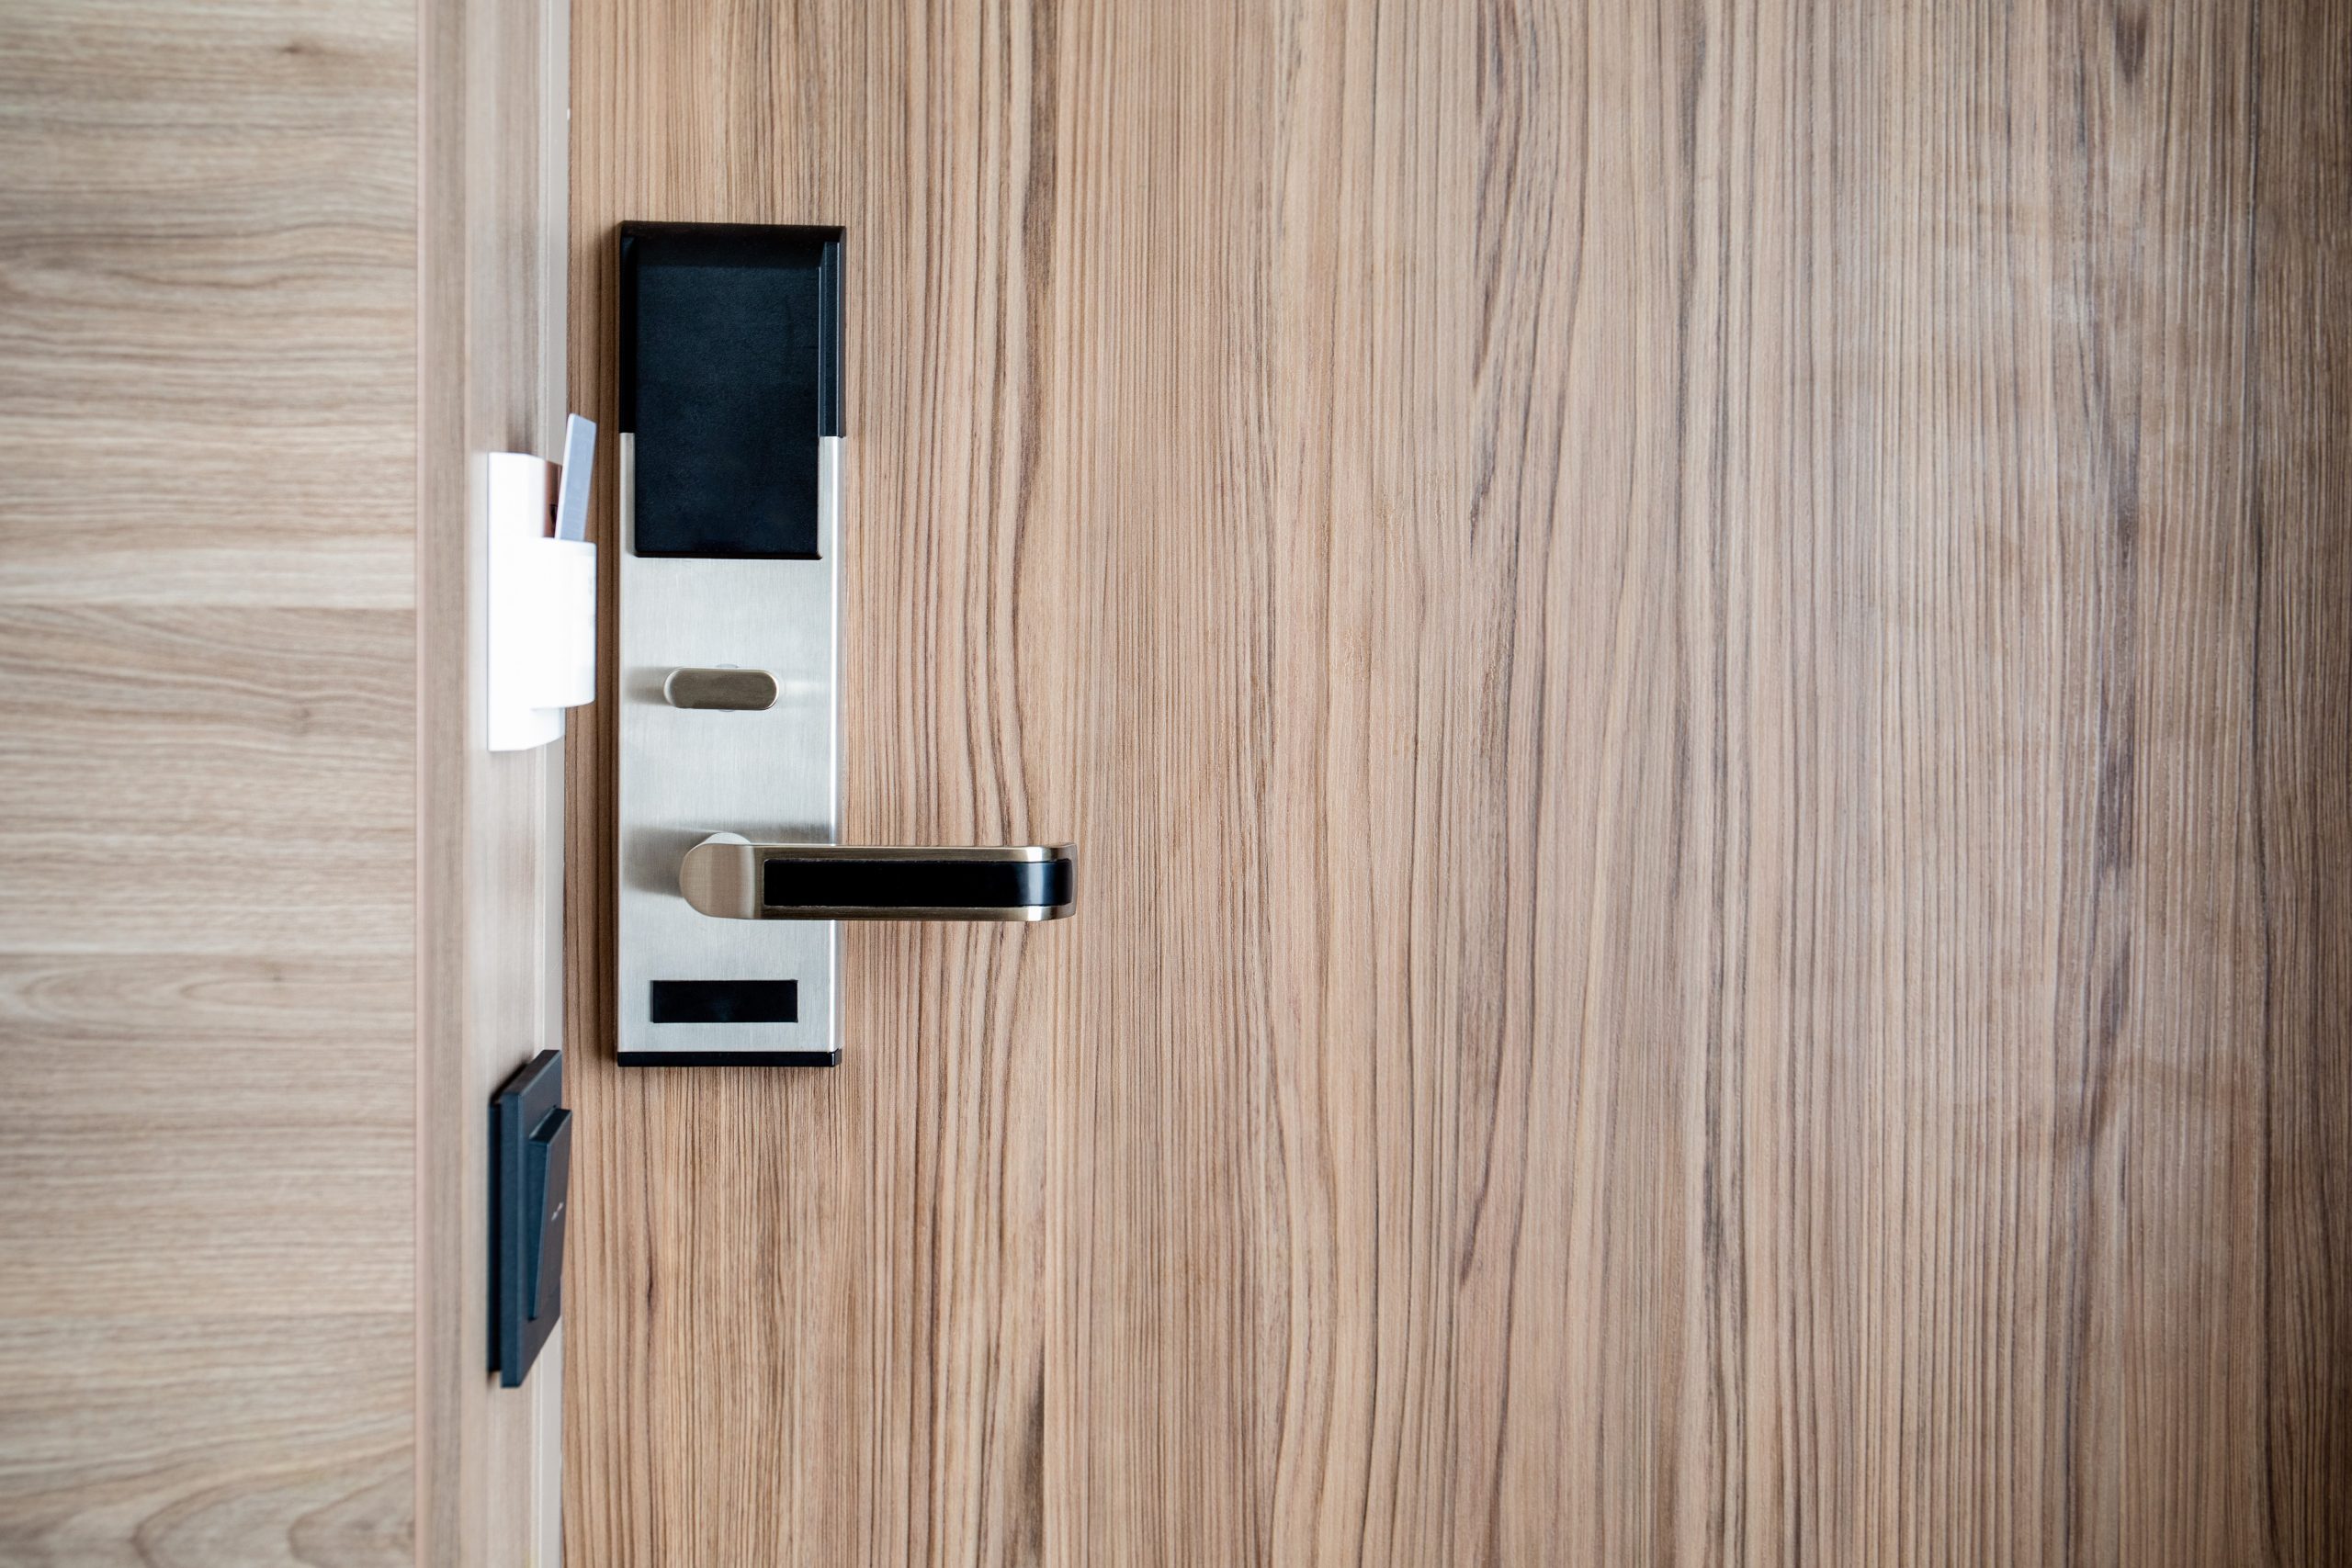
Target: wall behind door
[(208, 796), (268, 272)]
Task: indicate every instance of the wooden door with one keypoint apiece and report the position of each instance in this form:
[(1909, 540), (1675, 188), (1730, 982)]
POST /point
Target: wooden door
[(1701, 657)]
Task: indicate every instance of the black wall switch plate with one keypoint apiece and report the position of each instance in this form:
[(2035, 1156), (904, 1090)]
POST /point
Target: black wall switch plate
[(530, 1171)]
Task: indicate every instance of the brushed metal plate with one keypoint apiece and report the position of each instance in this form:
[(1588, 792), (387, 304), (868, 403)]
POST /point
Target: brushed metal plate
[(685, 773)]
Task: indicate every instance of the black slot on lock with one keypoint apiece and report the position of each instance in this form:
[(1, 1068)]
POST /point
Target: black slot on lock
[(731, 356), (530, 1172)]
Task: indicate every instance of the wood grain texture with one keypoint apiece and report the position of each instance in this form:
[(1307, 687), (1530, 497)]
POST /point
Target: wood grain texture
[(207, 809), (264, 286), (495, 260), (1699, 658), (2298, 478)]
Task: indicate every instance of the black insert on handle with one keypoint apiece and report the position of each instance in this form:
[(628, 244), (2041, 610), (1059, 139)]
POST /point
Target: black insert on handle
[(730, 353), (900, 884)]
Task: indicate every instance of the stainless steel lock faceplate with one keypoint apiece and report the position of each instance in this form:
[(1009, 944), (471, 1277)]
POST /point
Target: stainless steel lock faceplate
[(694, 990), (727, 798)]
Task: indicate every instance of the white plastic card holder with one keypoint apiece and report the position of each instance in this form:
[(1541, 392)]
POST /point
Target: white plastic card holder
[(541, 598)]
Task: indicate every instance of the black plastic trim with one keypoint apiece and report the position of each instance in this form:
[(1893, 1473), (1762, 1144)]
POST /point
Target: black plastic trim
[(724, 1001), (739, 245), (895, 883), (731, 347)]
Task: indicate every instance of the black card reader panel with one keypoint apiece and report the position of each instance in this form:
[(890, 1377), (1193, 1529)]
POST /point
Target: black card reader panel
[(730, 355)]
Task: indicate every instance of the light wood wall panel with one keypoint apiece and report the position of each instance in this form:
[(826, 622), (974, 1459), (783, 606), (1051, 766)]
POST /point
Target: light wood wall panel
[(495, 261), (268, 273), (1700, 657), (208, 807)]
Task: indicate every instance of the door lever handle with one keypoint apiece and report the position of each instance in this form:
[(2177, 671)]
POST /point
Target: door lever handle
[(729, 876)]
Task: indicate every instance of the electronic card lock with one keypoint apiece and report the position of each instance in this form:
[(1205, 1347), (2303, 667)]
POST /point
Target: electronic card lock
[(728, 788)]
